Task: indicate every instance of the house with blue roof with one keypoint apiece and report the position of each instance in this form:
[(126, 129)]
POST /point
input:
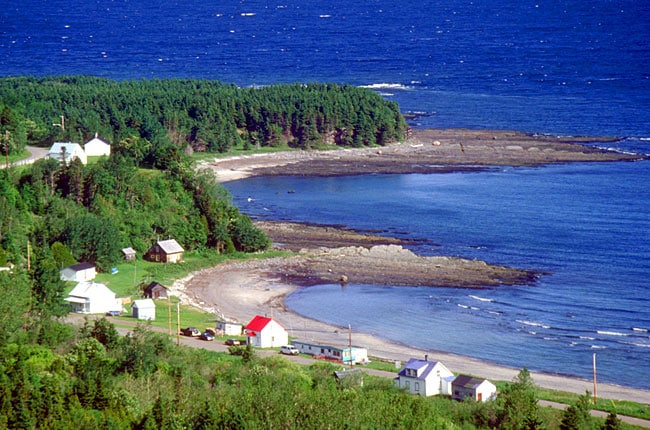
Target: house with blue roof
[(425, 378)]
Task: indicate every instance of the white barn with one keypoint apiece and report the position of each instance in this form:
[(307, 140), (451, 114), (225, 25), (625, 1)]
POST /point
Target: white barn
[(424, 377), (93, 298), (144, 309), (67, 151), (97, 147), (264, 332)]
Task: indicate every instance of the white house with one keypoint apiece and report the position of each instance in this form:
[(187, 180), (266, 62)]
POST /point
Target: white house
[(346, 355), (264, 332), (424, 377), (229, 328), (97, 147), (78, 272), (93, 298), (465, 386), (67, 151), (144, 309)]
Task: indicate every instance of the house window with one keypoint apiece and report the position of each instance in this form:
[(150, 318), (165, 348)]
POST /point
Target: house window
[(417, 386)]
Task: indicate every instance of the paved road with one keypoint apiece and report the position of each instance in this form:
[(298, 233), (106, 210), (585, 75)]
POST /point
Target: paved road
[(35, 153)]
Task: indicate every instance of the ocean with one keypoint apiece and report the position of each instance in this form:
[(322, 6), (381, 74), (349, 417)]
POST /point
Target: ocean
[(558, 67)]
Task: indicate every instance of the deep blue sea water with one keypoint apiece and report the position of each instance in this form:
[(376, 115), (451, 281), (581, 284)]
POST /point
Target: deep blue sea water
[(558, 67)]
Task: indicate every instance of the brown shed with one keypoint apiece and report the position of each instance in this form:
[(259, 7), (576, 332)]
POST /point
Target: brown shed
[(155, 291), (165, 251)]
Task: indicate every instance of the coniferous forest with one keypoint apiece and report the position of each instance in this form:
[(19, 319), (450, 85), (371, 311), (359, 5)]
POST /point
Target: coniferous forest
[(155, 117)]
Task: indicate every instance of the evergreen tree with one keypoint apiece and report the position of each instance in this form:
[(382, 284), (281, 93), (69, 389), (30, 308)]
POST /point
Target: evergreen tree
[(578, 416)]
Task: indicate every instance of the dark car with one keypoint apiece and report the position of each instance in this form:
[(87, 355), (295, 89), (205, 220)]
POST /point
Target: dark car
[(207, 336), (191, 331), (113, 313), (232, 342)]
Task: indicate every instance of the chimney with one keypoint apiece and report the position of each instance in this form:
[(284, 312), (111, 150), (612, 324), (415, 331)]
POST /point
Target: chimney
[(426, 357)]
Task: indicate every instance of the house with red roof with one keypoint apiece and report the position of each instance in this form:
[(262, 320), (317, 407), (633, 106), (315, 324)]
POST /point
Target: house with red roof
[(264, 332)]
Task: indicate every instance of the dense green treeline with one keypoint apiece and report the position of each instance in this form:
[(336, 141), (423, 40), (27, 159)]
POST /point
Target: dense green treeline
[(202, 114), (96, 210)]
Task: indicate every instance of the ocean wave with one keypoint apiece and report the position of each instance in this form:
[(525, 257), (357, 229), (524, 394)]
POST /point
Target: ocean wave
[(611, 333), (386, 86), (481, 299), (637, 344), (598, 347), (533, 324), (640, 330)]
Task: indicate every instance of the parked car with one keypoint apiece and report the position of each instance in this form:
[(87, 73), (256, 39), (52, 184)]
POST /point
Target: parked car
[(232, 342), (289, 350), (207, 336), (113, 313), (191, 331)]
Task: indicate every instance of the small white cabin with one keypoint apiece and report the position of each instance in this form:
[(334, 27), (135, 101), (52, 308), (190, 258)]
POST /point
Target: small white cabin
[(144, 309), (78, 272), (97, 147)]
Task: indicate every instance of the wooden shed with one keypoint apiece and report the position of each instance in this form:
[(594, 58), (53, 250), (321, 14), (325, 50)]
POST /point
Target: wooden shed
[(155, 291), (165, 251)]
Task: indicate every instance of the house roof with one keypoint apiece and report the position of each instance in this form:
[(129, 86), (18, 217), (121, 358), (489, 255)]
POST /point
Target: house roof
[(81, 266), (144, 304), (416, 365), (70, 147), (153, 285), (97, 139), (467, 381), (89, 289), (170, 246), (128, 251), (258, 323)]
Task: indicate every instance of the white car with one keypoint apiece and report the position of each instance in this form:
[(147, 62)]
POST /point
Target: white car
[(289, 350)]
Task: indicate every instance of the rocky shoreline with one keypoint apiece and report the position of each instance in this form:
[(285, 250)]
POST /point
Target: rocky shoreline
[(331, 255), (425, 151)]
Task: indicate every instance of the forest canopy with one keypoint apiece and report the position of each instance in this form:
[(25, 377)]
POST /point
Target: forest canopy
[(147, 116)]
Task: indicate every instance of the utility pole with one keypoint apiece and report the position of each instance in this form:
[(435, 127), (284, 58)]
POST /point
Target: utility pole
[(178, 323), (7, 147), (62, 125), (594, 366), (169, 313), (350, 344)]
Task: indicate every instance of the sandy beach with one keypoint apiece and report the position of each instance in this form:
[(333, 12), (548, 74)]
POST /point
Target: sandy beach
[(238, 290)]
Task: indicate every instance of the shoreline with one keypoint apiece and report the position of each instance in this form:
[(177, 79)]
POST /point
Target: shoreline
[(240, 290), (425, 151)]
